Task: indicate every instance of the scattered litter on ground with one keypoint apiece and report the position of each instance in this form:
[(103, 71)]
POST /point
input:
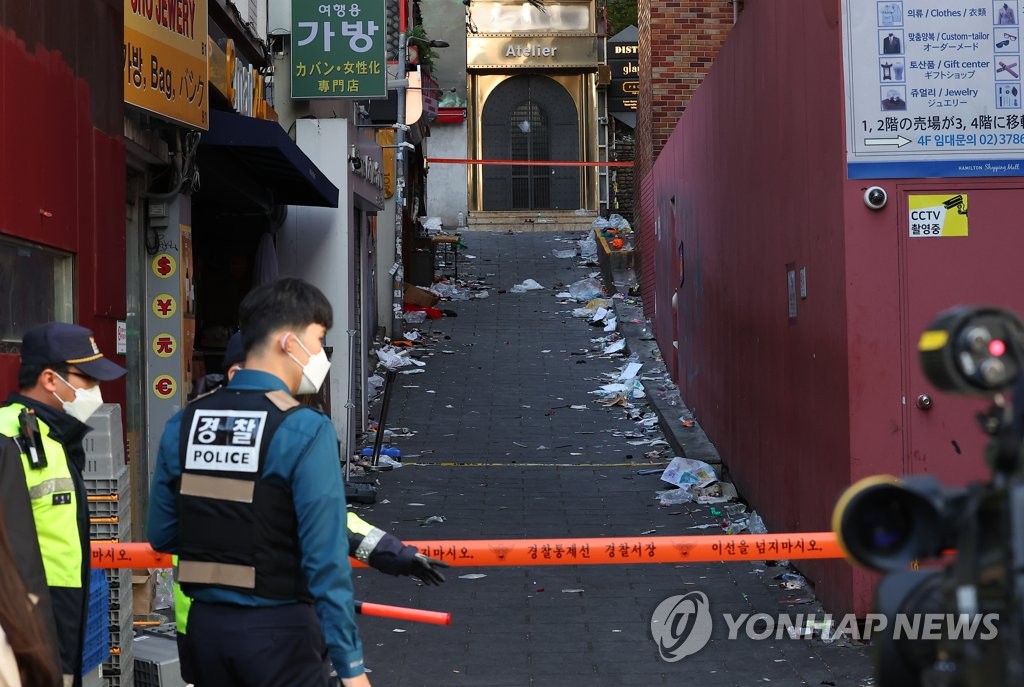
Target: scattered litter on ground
[(586, 289), (588, 248), (472, 576), (674, 497), (570, 253), (688, 471), (791, 580), (619, 345), (573, 591), (527, 285), (433, 520)]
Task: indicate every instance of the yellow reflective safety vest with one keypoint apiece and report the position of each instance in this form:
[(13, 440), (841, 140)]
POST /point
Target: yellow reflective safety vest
[(54, 505)]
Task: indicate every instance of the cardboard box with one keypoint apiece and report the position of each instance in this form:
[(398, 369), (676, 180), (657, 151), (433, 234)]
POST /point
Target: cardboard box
[(143, 587), (415, 295)]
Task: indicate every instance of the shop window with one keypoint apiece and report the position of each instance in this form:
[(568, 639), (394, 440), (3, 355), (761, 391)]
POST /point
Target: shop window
[(35, 287)]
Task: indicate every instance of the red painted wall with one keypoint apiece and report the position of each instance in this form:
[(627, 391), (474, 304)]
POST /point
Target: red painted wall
[(757, 167), (801, 408), (61, 112)]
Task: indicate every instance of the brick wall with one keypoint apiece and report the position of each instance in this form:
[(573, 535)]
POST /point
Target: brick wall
[(624, 176), (679, 40)]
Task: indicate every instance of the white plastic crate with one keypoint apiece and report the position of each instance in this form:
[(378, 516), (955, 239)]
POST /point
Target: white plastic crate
[(104, 445)]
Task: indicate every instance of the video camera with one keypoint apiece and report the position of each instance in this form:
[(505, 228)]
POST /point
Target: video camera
[(962, 624)]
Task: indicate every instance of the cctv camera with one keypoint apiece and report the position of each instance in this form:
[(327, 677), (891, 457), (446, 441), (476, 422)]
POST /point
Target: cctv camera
[(875, 197)]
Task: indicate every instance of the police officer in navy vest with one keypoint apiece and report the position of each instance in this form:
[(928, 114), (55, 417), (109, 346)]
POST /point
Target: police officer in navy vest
[(248, 493), (58, 379)]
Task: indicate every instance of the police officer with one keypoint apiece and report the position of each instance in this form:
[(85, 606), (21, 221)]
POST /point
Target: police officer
[(367, 543), (248, 493), (61, 368)]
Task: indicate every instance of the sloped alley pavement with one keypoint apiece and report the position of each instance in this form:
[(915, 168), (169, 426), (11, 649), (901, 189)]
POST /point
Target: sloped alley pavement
[(492, 444)]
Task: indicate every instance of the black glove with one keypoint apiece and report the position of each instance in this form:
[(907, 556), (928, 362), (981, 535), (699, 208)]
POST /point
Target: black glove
[(427, 569)]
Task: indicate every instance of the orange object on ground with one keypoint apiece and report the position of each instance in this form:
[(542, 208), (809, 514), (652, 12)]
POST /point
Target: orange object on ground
[(415, 615), (481, 553)]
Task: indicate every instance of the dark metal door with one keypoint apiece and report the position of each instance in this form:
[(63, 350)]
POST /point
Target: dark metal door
[(530, 117)]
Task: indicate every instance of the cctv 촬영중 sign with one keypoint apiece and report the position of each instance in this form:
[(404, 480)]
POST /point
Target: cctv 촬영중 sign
[(937, 216)]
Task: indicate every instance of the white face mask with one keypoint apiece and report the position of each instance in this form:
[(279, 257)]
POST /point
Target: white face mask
[(87, 401), (314, 371)]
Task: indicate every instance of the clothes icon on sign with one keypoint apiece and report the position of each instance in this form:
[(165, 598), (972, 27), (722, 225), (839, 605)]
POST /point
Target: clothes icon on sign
[(1006, 14), (890, 14), (892, 44)]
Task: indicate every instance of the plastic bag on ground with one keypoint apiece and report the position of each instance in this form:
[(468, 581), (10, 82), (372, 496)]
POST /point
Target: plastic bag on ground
[(674, 497), (588, 248), (684, 472), (571, 253), (618, 222), (528, 285), (585, 289), (416, 317), (755, 525)]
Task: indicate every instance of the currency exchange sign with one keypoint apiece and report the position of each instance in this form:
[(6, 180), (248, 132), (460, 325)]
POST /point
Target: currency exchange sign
[(338, 50)]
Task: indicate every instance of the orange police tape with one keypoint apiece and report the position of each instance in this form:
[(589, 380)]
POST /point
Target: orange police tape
[(589, 551)]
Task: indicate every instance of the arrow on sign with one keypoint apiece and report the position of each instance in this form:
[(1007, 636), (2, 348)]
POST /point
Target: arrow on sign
[(899, 141)]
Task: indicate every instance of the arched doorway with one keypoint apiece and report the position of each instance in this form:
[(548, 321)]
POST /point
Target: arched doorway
[(530, 117)]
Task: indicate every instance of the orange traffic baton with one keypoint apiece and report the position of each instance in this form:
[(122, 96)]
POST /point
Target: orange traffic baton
[(401, 613), (579, 551)]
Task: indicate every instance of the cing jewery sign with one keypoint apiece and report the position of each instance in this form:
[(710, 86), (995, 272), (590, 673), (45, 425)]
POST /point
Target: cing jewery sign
[(165, 65)]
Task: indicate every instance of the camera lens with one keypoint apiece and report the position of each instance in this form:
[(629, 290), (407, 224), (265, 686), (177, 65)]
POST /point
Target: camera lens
[(886, 524)]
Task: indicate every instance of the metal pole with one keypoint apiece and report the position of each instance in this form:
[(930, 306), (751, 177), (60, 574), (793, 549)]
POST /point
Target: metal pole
[(389, 381), (398, 323)]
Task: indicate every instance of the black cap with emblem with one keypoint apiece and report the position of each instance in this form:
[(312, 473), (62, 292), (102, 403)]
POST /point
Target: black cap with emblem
[(61, 342)]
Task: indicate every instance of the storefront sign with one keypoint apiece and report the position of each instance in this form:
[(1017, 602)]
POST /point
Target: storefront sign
[(624, 89), (338, 50), (386, 137), (533, 51), (933, 88), (164, 57)]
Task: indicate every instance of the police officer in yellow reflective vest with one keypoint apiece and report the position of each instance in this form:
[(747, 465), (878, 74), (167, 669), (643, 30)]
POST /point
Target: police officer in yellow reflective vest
[(61, 368), (368, 544)]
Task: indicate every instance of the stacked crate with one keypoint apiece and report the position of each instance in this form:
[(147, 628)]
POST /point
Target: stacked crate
[(108, 487), (156, 658)]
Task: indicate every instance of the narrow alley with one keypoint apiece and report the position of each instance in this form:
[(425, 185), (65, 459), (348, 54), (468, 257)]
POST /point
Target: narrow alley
[(495, 443)]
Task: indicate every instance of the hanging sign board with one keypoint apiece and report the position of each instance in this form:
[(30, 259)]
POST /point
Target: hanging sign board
[(338, 50)]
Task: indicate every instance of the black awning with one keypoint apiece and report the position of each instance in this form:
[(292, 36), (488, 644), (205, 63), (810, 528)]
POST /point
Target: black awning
[(264, 151), (627, 118)]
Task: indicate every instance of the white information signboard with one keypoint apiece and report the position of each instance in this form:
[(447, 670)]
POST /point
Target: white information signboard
[(933, 88)]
